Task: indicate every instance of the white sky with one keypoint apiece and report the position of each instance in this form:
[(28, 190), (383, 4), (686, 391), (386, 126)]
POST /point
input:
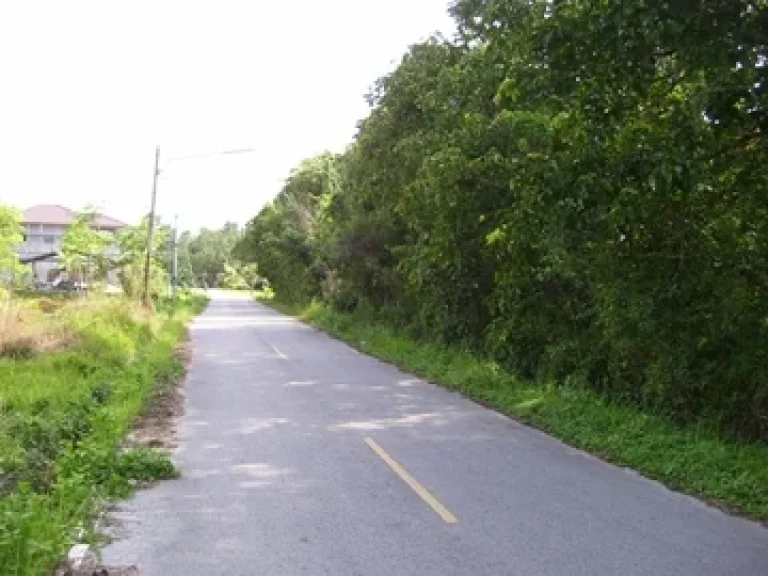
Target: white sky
[(87, 88)]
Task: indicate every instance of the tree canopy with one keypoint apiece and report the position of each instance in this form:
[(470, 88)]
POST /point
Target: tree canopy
[(209, 253), (132, 244), (11, 235), (576, 189), (83, 247)]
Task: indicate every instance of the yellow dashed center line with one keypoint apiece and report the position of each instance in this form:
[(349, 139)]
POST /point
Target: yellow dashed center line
[(415, 485)]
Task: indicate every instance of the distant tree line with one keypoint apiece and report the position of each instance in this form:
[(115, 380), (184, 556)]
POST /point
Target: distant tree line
[(206, 259), (576, 189), (89, 255)]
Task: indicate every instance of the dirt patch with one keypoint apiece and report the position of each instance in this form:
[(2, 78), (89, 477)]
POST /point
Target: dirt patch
[(98, 571), (156, 427), (102, 571), (119, 571)]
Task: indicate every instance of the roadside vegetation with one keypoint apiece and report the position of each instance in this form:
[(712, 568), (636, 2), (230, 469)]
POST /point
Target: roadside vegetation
[(74, 375), (561, 211), (76, 370), (727, 472)]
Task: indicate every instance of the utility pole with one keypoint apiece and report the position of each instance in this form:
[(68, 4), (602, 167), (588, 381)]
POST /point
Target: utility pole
[(151, 230)]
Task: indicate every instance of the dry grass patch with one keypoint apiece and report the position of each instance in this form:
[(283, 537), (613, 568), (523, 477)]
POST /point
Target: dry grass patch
[(30, 327), (26, 332)]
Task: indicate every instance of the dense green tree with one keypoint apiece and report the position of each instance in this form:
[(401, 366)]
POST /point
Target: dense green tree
[(11, 236), (132, 242), (83, 247), (578, 189), (283, 237), (186, 273), (210, 252)]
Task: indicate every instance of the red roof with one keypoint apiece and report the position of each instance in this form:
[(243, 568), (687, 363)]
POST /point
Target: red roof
[(61, 216)]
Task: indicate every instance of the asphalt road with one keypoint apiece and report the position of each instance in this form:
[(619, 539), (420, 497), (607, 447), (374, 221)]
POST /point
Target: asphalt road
[(300, 455)]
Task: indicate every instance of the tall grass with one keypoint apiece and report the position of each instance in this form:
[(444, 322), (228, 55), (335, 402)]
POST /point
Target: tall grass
[(64, 412)]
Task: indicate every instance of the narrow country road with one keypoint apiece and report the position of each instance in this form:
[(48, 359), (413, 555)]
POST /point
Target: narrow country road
[(300, 455)]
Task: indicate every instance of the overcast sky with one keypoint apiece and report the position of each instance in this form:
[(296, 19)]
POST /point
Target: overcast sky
[(88, 88)]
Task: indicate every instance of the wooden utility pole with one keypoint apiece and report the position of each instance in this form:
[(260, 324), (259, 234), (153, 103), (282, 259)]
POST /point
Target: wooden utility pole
[(151, 229)]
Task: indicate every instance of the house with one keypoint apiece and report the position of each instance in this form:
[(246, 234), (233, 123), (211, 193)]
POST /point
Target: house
[(44, 227)]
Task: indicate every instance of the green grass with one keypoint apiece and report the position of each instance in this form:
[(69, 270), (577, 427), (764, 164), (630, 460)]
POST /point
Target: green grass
[(729, 473), (63, 417)]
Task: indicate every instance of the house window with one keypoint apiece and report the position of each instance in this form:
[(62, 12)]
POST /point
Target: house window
[(48, 239)]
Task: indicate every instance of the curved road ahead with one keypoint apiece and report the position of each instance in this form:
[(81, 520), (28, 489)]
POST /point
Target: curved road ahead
[(300, 455)]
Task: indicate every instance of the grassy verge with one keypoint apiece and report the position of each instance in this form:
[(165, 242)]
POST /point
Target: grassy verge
[(64, 412), (726, 472)]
